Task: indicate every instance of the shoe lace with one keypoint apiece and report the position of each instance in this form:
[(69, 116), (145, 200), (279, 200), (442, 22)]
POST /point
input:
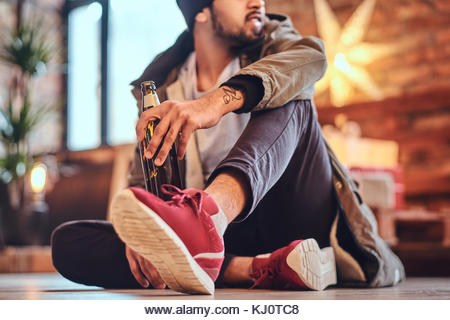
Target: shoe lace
[(268, 272), (178, 197)]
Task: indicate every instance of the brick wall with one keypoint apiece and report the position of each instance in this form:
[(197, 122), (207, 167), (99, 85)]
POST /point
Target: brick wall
[(415, 82), (422, 25)]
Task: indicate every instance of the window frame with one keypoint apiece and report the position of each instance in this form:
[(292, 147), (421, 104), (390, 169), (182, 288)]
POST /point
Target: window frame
[(70, 5)]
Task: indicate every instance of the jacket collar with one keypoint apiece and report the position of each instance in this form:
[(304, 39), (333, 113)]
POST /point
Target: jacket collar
[(174, 57)]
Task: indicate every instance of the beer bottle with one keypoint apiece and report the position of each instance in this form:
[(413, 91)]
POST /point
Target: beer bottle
[(169, 171)]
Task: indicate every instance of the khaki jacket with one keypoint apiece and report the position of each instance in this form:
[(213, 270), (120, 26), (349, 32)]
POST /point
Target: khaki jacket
[(289, 65)]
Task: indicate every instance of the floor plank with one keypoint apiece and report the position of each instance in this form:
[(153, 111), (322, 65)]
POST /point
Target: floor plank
[(55, 287)]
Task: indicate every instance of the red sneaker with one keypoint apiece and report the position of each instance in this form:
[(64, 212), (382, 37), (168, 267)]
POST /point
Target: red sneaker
[(177, 236), (300, 265)]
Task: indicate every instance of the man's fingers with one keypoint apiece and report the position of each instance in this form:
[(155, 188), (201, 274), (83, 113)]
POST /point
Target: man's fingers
[(152, 274), (146, 270), (184, 138), (136, 271), (157, 137), (143, 271), (140, 277), (145, 118), (169, 140)]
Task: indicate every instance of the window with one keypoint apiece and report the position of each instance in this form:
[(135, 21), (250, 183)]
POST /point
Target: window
[(84, 77), (139, 30), (110, 42)]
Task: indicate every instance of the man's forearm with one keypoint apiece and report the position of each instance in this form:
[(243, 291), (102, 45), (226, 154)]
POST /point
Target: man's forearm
[(226, 99)]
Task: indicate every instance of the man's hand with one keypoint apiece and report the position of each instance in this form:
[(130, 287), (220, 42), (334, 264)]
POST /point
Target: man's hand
[(143, 271), (183, 118)]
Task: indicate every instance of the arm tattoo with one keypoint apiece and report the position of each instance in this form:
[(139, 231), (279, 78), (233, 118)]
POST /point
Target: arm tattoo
[(230, 95)]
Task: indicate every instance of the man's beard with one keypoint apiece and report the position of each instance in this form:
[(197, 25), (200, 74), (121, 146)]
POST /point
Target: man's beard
[(237, 40)]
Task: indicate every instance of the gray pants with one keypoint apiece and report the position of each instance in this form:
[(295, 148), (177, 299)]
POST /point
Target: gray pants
[(283, 158)]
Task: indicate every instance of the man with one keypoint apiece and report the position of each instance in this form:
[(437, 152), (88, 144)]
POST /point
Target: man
[(269, 170)]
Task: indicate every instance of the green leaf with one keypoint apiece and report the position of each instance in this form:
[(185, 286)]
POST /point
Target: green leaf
[(26, 48)]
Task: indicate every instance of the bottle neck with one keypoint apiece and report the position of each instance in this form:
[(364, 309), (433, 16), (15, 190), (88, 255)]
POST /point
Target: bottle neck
[(149, 100)]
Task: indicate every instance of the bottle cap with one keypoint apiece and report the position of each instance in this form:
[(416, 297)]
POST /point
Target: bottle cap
[(147, 86)]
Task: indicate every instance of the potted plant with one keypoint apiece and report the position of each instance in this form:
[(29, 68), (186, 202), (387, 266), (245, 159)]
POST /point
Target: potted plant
[(25, 51)]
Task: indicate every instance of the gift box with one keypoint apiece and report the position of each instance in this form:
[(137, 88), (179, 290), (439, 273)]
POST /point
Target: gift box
[(381, 187)]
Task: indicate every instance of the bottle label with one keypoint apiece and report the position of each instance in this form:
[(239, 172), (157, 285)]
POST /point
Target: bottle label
[(150, 100)]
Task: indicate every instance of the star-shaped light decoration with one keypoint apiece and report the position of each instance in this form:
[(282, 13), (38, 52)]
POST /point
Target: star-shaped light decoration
[(347, 54)]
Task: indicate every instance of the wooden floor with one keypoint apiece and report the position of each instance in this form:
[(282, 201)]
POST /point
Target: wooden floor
[(55, 287)]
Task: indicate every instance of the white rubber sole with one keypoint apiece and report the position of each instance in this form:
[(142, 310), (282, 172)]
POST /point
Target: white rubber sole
[(147, 234), (316, 267)]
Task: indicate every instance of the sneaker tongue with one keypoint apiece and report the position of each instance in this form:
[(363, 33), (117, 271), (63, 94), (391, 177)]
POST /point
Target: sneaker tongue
[(210, 207), (208, 203)]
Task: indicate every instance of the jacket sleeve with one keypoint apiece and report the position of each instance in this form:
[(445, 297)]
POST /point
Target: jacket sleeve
[(289, 65)]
